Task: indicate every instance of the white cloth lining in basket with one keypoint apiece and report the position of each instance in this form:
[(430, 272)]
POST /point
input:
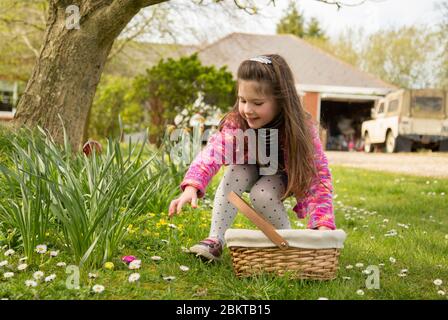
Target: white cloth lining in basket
[(307, 239)]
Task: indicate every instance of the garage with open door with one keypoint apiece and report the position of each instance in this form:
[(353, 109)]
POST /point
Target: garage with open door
[(341, 119)]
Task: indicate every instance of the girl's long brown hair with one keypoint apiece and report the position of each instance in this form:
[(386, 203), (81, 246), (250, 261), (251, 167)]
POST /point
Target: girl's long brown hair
[(276, 79)]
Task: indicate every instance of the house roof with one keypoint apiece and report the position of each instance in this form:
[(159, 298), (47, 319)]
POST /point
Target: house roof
[(311, 66), (136, 57)]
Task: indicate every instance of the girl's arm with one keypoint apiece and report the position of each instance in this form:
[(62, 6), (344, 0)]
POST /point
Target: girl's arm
[(207, 163), (318, 202)]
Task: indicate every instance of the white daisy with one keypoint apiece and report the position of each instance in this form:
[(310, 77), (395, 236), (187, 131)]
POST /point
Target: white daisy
[(8, 275), (322, 298), (169, 278), (186, 250), (50, 278), (61, 264), (359, 265), (391, 233), (135, 264), (92, 275), (38, 275), (392, 260), (366, 271), (9, 252), (23, 259), (156, 258), (134, 277), (438, 282), (41, 248), (360, 292), (98, 288), (184, 268), (3, 263), (441, 292), (349, 266), (30, 283), (346, 278), (54, 253), (404, 271), (402, 275), (22, 266), (172, 226)]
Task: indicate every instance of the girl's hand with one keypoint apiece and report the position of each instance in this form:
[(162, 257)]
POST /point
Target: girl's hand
[(190, 194), (323, 228)]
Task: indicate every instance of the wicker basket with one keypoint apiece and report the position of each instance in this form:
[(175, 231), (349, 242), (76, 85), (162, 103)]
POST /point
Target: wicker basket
[(300, 254)]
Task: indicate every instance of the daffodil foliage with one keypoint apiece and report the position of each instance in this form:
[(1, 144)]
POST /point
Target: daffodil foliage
[(84, 202)]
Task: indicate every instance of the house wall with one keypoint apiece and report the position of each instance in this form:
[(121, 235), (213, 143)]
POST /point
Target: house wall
[(311, 103), (6, 117)]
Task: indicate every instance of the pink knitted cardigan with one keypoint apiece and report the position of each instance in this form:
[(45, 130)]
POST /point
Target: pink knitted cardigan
[(317, 202)]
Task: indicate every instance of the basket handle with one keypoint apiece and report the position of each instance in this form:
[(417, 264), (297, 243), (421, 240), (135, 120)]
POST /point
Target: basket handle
[(267, 228)]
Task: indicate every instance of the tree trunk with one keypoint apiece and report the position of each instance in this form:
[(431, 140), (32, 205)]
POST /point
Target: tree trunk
[(69, 67), (156, 115)]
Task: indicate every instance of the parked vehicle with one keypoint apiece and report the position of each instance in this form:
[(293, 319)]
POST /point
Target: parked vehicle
[(407, 119)]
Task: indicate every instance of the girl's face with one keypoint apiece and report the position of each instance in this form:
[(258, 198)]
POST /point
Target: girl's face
[(256, 108)]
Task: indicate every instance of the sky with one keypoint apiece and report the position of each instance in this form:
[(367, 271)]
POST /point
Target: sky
[(371, 15), (210, 24)]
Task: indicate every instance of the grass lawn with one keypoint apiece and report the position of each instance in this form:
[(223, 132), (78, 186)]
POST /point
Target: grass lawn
[(392, 221)]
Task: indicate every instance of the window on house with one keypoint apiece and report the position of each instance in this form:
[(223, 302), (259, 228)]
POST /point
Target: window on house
[(6, 101), (381, 108)]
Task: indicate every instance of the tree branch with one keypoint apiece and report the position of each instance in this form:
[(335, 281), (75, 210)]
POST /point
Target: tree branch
[(38, 27), (250, 10), (140, 30), (29, 45), (341, 4), (147, 3)]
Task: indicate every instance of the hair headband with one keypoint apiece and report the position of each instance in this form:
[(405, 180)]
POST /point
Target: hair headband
[(262, 59)]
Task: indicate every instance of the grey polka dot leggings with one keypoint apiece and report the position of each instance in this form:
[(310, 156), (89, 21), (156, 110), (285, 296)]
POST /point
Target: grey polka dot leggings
[(265, 194)]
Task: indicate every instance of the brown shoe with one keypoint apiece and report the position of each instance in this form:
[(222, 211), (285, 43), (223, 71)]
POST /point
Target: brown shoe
[(209, 248)]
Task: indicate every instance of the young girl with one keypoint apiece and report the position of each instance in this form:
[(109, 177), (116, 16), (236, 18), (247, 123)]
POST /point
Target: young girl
[(266, 98)]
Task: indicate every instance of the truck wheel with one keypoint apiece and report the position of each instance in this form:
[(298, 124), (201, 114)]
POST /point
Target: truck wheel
[(443, 146), (367, 144), (390, 142), (398, 144)]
